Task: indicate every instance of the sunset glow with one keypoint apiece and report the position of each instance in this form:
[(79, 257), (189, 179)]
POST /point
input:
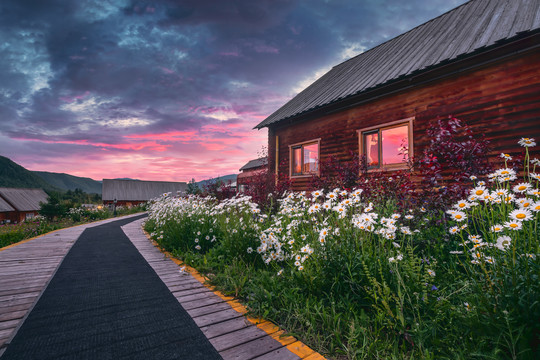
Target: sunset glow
[(168, 90)]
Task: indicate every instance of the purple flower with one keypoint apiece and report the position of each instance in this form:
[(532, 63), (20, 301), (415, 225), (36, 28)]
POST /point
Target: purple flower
[(434, 288)]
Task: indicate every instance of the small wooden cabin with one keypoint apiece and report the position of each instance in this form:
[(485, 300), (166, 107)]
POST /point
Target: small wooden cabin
[(479, 62), (250, 171), (135, 192), (17, 204)]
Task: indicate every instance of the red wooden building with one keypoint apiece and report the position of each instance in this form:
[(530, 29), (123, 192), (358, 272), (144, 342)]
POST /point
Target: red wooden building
[(18, 204), (250, 171), (479, 62)]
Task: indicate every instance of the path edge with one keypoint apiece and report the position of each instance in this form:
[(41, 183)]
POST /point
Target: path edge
[(275, 332)]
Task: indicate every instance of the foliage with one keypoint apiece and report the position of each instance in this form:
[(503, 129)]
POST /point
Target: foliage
[(359, 275), (219, 189), (52, 209), (193, 188)]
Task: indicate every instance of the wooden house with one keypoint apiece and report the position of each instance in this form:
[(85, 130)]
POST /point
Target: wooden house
[(135, 192), (17, 204), (250, 171), (479, 62)]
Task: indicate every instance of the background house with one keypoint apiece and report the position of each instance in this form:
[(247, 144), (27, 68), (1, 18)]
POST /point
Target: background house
[(17, 204), (479, 62), (250, 171), (134, 192)]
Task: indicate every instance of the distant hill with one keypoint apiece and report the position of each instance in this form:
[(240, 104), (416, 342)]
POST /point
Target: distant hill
[(14, 175), (225, 179), (70, 182)]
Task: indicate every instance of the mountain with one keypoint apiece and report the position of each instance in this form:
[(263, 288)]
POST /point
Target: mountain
[(70, 182), (225, 179), (14, 175)]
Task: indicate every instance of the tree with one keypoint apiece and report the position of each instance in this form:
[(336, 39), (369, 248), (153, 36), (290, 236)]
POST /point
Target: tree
[(52, 208)]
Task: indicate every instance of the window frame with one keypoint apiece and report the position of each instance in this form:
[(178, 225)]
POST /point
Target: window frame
[(380, 128), (301, 146)]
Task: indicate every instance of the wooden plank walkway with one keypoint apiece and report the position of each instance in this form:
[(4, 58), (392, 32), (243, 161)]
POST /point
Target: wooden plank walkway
[(25, 271), (220, 318)]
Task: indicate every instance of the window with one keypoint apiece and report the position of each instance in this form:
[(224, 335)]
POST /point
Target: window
[(387, 146), (305, 158)]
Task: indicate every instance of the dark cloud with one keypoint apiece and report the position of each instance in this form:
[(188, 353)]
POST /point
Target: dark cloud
[(74, 73)]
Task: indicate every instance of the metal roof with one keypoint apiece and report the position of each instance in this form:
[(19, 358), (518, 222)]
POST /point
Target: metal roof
[(255, 163), (138, 190), (23, 199), (467, 29), (4, 206)]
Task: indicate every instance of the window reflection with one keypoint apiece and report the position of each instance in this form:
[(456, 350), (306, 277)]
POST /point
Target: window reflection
[(311, 158), (305, 159), (393, 142), (371, 143)]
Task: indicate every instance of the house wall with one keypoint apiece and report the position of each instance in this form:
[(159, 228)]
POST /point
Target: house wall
[(501, 100)]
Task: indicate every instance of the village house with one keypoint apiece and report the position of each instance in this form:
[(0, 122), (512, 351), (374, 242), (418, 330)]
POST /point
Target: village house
[(135, 192), (250, 171), (17, 204), (479, 62)]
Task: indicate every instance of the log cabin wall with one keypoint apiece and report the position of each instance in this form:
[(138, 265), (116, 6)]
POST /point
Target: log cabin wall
[(500, 100)]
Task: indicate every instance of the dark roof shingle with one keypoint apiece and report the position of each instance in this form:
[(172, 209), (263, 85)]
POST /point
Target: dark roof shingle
[(138, 190), (24, 199), (255, 163), (471, 27)]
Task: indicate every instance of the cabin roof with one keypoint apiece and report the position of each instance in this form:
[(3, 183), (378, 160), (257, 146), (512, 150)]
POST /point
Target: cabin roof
[(23, 199), (4, 206), (255, 163), (138, 190), (471, 28)]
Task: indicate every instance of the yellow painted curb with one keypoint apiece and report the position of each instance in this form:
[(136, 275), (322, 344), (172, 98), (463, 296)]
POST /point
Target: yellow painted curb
[(290, 342), (53, 231)]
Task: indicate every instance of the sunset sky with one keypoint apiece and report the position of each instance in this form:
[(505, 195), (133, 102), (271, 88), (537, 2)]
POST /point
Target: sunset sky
[(170, 89)]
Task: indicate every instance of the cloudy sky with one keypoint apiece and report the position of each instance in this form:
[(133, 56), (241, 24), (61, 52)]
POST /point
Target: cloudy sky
[(170, 89)]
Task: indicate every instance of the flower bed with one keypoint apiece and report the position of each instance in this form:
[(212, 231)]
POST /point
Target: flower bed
[(355, 279)]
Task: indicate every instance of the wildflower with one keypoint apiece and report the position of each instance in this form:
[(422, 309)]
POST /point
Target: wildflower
[(454, 230), (395, 216), (316, 193), (489, 260), (249, 250), (456, 252), (462, 204), (521, 187), (482, 183), (431, 272), (405, 230), (434, 288), (505, 172), (506, 156), (423, 209), (457, 215), (478, 191), (503, 242), (513, 225), (497, 228), (198, 247), (535, 176), (527, 142), (280, 272), (476, 239), (396, 244), (521, 215), (467, 306), (535, 206), (301, 267), (535, 161), (409, 217), (473, 177)]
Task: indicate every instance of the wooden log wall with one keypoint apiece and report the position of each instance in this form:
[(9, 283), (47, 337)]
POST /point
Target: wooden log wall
[(501, 101)]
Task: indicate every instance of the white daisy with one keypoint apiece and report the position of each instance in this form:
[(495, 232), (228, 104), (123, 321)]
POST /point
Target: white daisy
[(527, 142), (521, 215)]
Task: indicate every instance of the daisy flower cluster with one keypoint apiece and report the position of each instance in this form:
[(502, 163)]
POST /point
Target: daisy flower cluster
[(500, 215)]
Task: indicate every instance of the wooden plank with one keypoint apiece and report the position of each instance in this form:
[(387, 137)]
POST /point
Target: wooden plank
[(212, 331), (188, 305), (279, 354), (235, 338), (12, 315), (251, 349), (216, 317), (9, 324), (204, 310), (198, 294)]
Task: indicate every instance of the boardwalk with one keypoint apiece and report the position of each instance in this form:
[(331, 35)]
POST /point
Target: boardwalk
[(29, 267)]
